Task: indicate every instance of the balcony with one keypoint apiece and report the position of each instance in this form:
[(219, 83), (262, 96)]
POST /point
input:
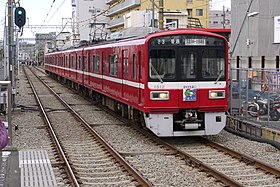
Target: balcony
[(115, 23), (128, 4)]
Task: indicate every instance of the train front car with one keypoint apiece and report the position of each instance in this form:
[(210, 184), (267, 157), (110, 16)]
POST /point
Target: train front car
[(187, 83)]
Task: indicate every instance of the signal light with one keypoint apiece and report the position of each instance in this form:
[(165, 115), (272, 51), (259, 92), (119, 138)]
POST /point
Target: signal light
[(20, 17)]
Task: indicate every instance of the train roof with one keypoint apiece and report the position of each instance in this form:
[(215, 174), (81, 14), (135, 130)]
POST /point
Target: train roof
[(143, 40)]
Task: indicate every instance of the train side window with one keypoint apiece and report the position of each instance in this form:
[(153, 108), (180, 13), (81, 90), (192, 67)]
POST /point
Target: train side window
[(96, 63), (80, 63), (125, 63), (62, 61), (113, 67), (134, 62), (67, 63), (85, 63), (56, 60), (72, 65)]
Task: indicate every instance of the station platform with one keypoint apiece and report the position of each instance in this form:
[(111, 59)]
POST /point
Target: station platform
[(31, 168)]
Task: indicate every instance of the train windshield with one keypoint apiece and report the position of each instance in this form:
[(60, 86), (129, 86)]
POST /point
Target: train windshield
[(162, 64), (205, 60)]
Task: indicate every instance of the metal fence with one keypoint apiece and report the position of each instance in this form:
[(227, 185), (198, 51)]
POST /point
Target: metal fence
[(254, 95)]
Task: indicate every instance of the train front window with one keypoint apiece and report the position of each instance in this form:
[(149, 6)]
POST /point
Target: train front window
[(188, 66), (162, 64), (213, 64)]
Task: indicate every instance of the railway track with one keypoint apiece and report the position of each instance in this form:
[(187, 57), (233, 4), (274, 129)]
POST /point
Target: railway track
[(238, 169), (86, 156), (227, 167)]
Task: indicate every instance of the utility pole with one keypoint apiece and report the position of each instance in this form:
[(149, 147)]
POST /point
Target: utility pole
[(10, 47), (224, 17), (153, 14), (160, 15)]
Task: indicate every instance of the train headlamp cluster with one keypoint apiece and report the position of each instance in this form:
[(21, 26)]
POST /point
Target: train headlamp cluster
[(159, 95), (216, 94)]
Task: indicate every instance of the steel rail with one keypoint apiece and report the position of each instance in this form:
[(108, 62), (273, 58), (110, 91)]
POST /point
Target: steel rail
[(138, 176), (188, 158), (244, 158), (53, 134)]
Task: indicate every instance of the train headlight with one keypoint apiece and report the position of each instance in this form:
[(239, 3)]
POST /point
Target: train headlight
[(159, 95), (216, 94)]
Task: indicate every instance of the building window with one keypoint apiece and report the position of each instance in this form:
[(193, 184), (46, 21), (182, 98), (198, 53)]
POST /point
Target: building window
[(189, 12), (199, 12), (173, 23)]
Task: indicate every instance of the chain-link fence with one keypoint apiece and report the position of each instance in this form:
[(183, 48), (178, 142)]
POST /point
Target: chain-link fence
[(254, 94)]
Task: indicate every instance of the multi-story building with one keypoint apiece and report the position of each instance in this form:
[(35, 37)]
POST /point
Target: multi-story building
[(255, 44), (220, 19), (255, 29), (172, 13), (26, 52), (40, 40), (91, 20)]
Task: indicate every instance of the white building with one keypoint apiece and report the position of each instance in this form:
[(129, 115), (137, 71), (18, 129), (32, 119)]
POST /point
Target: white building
[(90, 19), (220, 19)]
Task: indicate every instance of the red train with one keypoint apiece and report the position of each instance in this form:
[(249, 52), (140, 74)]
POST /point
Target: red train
[(172, 82)]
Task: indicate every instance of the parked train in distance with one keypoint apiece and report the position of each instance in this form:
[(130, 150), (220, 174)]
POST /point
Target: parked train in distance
[(172, 82)]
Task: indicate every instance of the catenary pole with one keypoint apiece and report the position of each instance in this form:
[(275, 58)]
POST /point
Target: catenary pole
[(10, 46)]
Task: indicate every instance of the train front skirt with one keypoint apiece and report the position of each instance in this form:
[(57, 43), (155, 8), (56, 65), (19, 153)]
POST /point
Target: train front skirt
[(162, 125)]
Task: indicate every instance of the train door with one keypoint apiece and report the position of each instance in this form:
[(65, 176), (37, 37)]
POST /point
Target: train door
[(63, 65), (124, 69), (83, 67), (103, 66), (67, 65), (76, 66), (89, 68), (137, 68)]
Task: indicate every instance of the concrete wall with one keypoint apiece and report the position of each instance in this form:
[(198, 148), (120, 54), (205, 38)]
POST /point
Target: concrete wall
[(85, 10), (259, 29)]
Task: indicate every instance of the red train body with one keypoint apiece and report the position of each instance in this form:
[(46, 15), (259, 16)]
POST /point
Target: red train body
[(173, 82)]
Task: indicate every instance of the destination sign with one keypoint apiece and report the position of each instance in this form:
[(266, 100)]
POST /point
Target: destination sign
[(187, 40)]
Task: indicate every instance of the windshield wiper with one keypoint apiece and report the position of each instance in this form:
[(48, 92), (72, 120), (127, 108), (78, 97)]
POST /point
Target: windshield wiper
[(220, 75), (155, 71)]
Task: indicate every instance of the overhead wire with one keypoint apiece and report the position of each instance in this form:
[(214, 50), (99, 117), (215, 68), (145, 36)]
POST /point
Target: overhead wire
[(46, 15), (56, 11)]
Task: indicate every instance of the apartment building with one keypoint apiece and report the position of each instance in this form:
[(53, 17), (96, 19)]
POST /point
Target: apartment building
[(174, 14)]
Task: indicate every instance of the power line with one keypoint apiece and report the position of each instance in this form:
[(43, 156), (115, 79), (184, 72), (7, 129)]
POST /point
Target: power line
[(56, 11), (46, 15)]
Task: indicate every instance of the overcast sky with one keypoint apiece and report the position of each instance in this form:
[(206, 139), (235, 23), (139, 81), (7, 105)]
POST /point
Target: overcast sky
[(54, 12)]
